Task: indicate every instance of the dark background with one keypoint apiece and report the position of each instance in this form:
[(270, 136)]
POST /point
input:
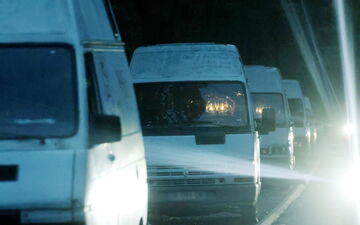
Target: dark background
[(258, 28)]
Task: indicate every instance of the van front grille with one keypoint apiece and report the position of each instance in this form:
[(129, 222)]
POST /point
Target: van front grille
[(177, 182), (177, 176), (174, 171)]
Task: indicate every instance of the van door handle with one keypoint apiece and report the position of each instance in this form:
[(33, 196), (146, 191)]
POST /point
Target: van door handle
[(111, 157)]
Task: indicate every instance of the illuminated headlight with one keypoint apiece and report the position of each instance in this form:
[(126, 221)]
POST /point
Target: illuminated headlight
[(259, 110), (219, 106)]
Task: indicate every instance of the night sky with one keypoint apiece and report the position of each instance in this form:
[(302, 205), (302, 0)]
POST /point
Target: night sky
[(258, 28)]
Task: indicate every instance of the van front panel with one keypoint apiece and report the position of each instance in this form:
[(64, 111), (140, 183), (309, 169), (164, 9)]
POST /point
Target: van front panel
[(36, 183), (179, 170)]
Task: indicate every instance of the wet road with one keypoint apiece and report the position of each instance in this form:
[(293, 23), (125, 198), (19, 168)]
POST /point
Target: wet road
[(316, 198), (320, 200)]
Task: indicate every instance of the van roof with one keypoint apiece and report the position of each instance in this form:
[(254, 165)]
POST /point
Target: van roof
[(263, 79), (293, 89), (54, 21), (185, 62)]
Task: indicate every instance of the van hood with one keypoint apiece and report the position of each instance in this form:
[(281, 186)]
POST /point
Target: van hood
[(183, 151), (36, 179)]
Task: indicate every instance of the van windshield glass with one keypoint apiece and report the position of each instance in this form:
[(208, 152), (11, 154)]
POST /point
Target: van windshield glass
[(297, 111), (37, 91), (186, 106), (270, 100)]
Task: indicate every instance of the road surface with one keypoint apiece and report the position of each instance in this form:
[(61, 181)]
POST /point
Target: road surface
[(310, 195)]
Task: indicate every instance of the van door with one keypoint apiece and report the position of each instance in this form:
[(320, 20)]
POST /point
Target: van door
[(100, 164), (124, 159)]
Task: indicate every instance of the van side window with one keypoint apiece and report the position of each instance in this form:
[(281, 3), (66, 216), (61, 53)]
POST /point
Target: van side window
[(92, 85), (94, 102)]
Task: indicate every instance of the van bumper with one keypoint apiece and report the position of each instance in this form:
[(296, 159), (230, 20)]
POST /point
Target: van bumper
[(275, 151), (201, 200), (43, 217)]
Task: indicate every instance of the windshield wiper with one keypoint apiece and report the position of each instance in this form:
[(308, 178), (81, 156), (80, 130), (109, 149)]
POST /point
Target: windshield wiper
[(204, 124), (208, 124)]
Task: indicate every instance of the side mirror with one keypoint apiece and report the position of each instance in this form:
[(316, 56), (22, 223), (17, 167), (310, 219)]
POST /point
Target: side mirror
[(267, 121), (107, 129)]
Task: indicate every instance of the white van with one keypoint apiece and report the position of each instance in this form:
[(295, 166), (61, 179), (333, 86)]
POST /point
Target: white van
[(71, 143), (310, 120), (266, 89), (298, 115), (201, 145)]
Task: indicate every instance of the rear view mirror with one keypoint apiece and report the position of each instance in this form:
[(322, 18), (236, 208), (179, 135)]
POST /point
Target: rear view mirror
[(267, 121), (107, 129)]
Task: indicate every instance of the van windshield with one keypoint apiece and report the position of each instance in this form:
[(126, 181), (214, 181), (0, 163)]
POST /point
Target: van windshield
[(187, 107), (37, 91), (270, 100), (297, 111)]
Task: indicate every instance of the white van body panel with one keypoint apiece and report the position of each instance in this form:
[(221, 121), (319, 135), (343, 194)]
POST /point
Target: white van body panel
[(59, 166), (177, 158), (65, 180), (182, 150), (293, 91), (184, 62), (301, 132), (263, 79), (310, 120), (267, 80), (117, 189), (277, 138), (308, 106), (62, 20)]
